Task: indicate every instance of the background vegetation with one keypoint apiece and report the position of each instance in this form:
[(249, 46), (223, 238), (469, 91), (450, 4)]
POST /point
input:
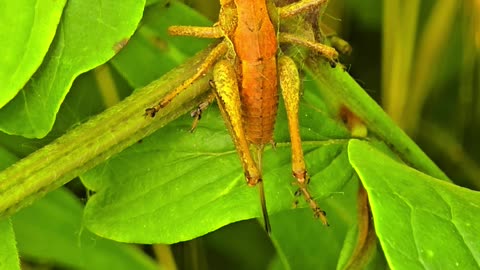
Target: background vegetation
[(418, 59)]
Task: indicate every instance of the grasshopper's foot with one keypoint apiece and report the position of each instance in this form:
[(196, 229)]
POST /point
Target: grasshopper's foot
[(151, 112), (274, 145), (302, 181), (333, 63), (297, 194), (197, 113), (154, 110)]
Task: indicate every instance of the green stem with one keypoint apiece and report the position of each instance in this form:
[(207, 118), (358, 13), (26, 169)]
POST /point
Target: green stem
[(98, 139), (339, 89)]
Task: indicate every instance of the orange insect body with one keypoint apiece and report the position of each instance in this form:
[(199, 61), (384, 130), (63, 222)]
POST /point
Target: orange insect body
[(245, 77), (255, 44)]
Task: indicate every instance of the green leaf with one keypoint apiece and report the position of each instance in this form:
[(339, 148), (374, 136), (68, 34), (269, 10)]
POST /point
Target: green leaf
[(174, 177), (51, 230), (25, 45), (89, 34), (83, 101), (422, 222), (8, 249)]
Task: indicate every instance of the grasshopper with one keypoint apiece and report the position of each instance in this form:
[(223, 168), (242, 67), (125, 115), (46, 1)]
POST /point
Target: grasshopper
[(246, 76)]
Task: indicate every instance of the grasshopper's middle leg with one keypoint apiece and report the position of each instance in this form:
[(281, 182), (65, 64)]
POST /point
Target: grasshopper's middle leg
[(290, 85), (228, 99), (214, 55)]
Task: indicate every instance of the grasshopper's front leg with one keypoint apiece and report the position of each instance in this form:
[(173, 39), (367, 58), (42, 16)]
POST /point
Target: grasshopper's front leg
[(214, 55), (228, 98), (290, 85)]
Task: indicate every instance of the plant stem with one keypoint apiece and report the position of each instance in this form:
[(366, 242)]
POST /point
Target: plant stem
[(98, 139), (348, 93)]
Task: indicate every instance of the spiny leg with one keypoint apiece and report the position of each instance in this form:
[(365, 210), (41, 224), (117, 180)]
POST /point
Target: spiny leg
[(195, 31), (326, 51), (299, 7), (197, 113), (214, 55), (226, 89), (290, 85), (341, 45), (200, 32)]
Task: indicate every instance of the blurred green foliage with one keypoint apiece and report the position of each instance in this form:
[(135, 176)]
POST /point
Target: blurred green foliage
[(432, 90)]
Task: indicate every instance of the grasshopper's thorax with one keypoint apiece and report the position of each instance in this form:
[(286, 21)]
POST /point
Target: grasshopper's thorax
[(255, 45)]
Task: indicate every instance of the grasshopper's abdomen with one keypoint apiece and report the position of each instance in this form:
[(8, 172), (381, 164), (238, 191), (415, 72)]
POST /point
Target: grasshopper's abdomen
[(259, 100)]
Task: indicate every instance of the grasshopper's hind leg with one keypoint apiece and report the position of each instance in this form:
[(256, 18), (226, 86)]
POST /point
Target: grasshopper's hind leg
[(290, 85), (228, 99)]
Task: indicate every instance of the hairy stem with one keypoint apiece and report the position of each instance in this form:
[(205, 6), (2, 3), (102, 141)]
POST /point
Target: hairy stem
[(98, 139)]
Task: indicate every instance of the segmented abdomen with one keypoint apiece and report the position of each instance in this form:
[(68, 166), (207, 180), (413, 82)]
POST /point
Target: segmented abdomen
[(259, 100)]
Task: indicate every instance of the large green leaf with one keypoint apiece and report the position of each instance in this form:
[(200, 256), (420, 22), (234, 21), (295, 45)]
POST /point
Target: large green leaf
[(25, 45), (422, 222), (174, 177), (90, 33), (51, 230)]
